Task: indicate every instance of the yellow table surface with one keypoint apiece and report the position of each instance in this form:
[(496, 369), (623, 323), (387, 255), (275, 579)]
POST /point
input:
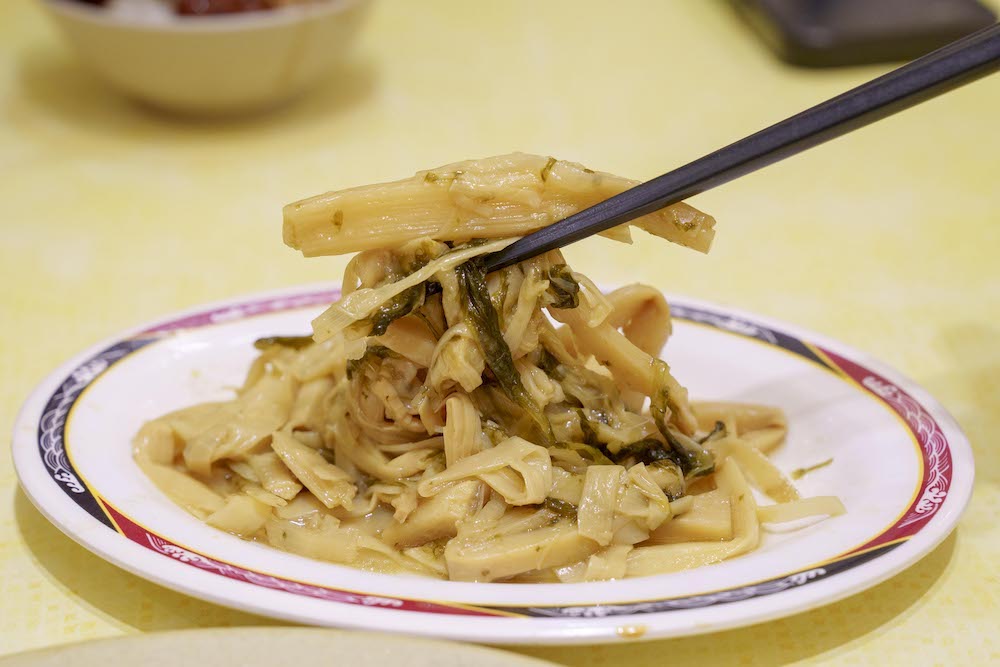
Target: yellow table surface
[(887, 240)]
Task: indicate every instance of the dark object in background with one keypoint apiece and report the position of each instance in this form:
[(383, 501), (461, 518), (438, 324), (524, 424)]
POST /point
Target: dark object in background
[(831, 33)]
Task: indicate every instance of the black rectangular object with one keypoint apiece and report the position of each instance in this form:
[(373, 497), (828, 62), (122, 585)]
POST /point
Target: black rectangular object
[(831, 33)]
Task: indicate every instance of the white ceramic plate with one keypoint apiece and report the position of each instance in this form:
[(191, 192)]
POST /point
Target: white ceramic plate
[(269, 647), (900, 464)]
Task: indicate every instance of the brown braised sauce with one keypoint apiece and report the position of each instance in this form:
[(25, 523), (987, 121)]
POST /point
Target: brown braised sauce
[(211, 7)]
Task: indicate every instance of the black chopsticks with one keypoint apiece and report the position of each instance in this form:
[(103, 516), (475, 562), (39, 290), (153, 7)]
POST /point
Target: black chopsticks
[(949, 67)]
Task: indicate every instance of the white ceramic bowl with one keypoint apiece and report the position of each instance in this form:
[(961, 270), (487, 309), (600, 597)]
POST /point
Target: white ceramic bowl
[(897, 460), (212, 64)]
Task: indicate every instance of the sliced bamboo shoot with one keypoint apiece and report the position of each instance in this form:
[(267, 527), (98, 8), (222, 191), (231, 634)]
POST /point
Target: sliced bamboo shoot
[(496, 197)]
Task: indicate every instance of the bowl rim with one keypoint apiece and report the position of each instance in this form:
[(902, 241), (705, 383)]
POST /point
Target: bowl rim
[(223, 23)]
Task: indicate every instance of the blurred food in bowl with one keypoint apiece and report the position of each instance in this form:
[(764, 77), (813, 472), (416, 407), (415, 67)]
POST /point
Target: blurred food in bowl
[(210, 56), (202, 7), (194, 7)]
